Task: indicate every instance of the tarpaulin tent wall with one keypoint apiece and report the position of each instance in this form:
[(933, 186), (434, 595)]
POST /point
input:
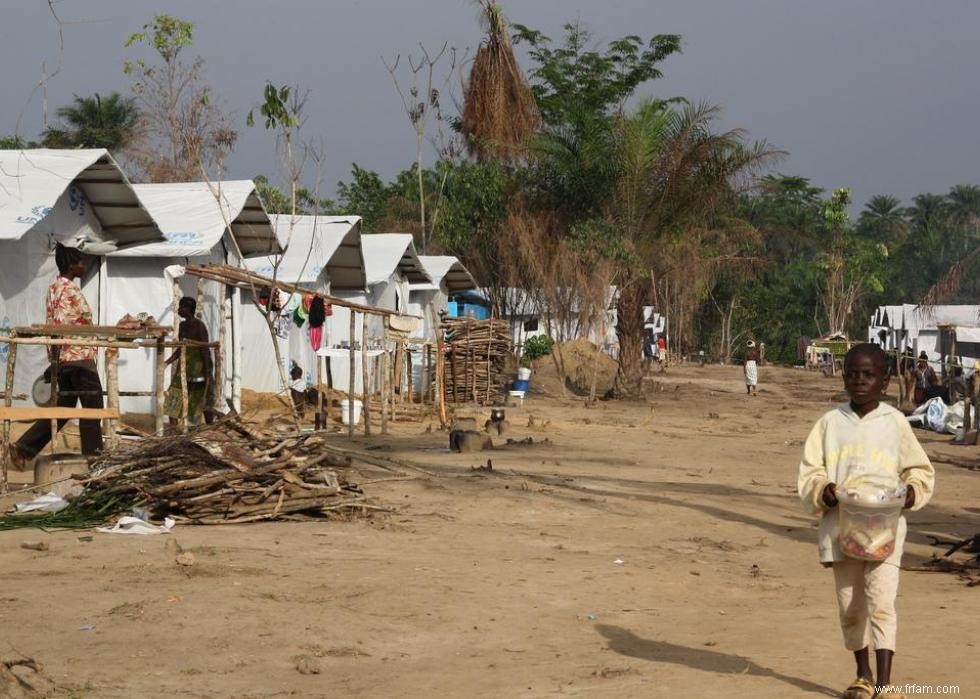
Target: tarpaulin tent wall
[(391, 265), (321, 253), (80, 198), (203, 222), (911, 325), (449, 276)]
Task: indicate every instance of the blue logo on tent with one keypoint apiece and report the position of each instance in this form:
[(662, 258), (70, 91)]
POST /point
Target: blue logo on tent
[(76, 200), (184, 238), (37, 213)]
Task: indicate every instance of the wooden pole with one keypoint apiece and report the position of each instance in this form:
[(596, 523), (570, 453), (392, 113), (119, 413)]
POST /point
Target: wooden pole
[(112, 393), (350, 378), (427, 364), (184, 397), (489, 352), (319, 422), (218, 393), (8, 399), (176, 302), (408, 376), (385, 383), (161, 368), (440, 377), (365, 386)]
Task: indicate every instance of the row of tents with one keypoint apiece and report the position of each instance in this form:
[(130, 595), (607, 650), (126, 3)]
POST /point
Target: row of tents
[(144, 235), (948, 334)]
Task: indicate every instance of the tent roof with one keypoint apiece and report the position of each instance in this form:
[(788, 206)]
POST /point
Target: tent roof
[(914, 318), (313, 244), (32, 181), (384, 253), (193, 217), (445, 270)]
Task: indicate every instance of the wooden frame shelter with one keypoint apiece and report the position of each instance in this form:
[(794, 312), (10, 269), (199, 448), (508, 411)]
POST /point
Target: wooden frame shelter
[(111, 339), (390, 360)]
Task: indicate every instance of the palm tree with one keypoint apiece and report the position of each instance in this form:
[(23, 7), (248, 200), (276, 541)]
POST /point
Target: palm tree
[(95, 122), (673, 177), (499, 111), (884, 219)]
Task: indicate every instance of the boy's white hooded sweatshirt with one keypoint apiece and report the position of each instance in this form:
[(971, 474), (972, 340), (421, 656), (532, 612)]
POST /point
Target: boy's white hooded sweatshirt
[(880, 444)]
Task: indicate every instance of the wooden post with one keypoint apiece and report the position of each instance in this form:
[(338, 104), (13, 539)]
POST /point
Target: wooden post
[(440, 387), (184, 397), (408, 376), (319, 421), (112, 393), (219, 357), (161, 368), (8, 399), (396, 379), (176, 302), (350, 382), (365, 386), (427, 364), (384, 383), (489, 352)]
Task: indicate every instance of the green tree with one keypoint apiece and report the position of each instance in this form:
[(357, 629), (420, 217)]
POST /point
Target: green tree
[(109, 122), (367, 196), (16, 143)]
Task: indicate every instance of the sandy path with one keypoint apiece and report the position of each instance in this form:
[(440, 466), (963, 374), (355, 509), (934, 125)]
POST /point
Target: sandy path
[(507, 583)]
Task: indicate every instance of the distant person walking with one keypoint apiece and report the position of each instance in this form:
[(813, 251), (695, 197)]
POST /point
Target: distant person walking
[(751, 368)]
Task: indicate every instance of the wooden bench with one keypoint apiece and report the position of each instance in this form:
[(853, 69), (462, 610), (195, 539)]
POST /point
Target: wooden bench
[(30, 414)]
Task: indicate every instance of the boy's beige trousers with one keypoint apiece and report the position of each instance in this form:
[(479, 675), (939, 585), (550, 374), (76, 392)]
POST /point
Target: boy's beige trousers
[(866, 594)]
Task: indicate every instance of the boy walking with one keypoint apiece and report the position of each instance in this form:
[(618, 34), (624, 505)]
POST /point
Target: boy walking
[(864, 439)]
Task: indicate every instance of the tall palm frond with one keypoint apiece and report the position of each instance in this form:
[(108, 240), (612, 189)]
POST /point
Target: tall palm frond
[(499, 111)]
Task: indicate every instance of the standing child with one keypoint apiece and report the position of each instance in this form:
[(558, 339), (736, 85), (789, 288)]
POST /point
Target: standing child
[(864, 439), (751, 368)]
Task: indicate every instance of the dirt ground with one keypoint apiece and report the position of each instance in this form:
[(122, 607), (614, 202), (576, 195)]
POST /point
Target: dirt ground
[(647, 550)]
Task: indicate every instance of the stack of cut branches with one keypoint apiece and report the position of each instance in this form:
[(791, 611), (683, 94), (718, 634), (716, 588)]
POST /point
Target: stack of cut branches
[(225, 473), (476, 358)]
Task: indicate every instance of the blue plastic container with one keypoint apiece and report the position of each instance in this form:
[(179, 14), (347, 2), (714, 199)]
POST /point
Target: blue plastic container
[(521, 385)]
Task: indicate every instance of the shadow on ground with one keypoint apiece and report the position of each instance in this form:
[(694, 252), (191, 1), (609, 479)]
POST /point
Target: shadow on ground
[(625, 642)]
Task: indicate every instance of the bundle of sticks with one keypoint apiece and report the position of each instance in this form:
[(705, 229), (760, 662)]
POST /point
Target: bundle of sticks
[(476, 357), (225, 473)]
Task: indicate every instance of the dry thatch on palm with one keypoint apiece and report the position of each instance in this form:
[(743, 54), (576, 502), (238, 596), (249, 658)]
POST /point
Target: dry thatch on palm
[(499, 111)]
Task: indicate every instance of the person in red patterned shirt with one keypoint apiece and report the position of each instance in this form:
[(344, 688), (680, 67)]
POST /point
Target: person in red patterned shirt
[(75, 366)]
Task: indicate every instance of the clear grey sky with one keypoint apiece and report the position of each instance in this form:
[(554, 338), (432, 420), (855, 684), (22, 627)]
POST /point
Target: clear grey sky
[(877, 95)]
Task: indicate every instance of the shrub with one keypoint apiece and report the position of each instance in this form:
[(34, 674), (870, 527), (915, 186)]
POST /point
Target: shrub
[(537, 346)]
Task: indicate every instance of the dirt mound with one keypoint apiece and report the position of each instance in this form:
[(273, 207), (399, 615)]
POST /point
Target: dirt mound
[(580, 359)]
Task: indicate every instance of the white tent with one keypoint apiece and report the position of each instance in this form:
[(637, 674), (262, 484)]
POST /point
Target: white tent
[(391, 264), (323, 254), (911, 325), (449, 276), (80, 198), (203, 222)]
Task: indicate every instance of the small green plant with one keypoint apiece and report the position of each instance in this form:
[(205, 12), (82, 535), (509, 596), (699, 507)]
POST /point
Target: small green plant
[(537, 346)]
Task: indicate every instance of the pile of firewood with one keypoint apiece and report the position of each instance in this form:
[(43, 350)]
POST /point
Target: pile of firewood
[(476, 358), (226, 473)]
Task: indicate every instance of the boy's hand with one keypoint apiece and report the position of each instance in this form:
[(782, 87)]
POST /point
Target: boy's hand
[(829, 495), (909, 497)]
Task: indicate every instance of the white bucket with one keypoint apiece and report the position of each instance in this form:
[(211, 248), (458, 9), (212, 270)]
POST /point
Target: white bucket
[(345, 411), (523, 373)]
